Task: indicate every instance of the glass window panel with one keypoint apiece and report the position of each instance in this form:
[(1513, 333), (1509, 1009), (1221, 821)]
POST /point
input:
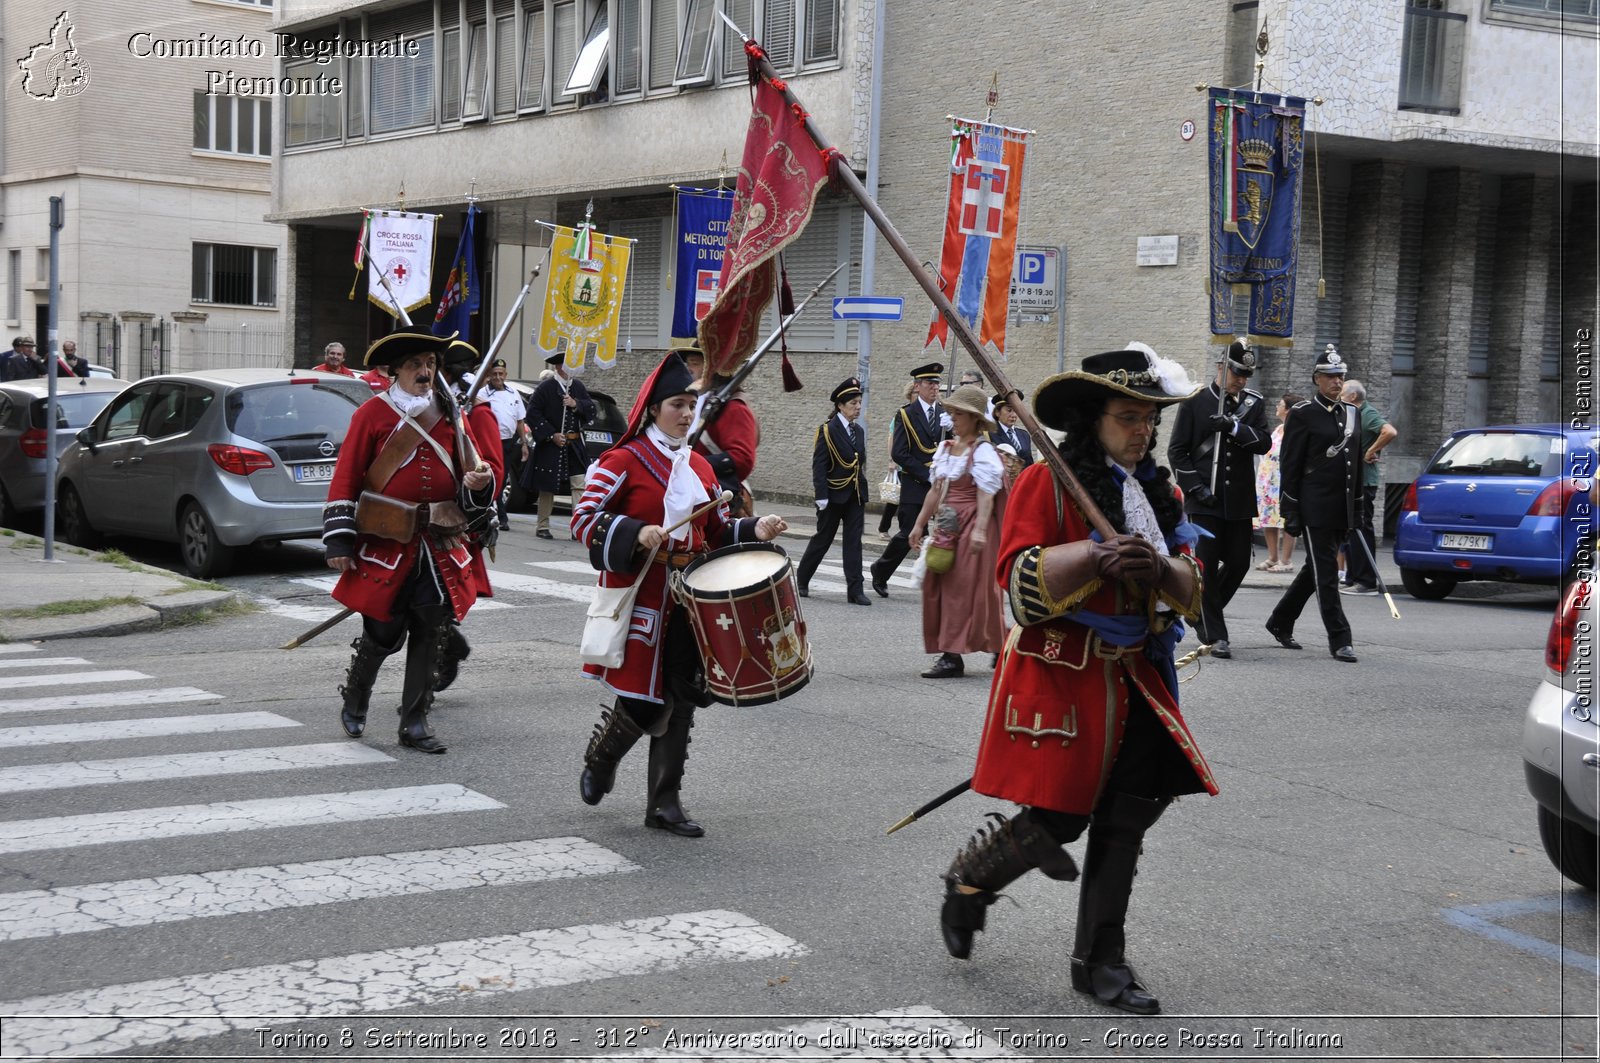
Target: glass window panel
[(626, 76), (477, 71), (591, 60), (199, 275), (822, 31), (743, 13), (202, 120), (505, 65), (533, 57), (563, 46), (245, 132), (223, 141), (451, 87), (264, 124), (694, 56)]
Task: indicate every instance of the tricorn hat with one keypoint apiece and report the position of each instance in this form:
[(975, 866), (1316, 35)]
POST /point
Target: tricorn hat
[(969, 398), (555, 357), (1240, 359), (397, 346), (669, 378), (931, 371), (1135, 373), (461, 355), (1330, 363), (850, 389)]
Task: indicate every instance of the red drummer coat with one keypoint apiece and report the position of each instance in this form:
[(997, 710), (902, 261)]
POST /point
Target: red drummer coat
[(382, 565), (626, 491), (1059, 700)]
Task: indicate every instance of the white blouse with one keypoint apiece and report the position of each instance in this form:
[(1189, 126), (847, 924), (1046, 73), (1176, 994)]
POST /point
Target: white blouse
[(987, 470)]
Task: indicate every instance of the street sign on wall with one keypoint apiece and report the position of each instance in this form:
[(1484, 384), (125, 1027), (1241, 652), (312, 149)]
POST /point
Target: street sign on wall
[(1036, 279)]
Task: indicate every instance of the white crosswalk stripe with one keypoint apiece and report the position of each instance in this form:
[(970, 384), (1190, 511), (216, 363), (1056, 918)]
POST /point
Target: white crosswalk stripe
[(173, 898), (582, 568), (231, 817), (108, 699), (36, 777), (61, 679), (43, 662), (151, 727), (17, 647), (516, 581), (326, 583), (381, 982)]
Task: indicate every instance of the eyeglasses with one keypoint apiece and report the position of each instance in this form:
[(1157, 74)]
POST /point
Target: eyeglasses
[(1133, 420)]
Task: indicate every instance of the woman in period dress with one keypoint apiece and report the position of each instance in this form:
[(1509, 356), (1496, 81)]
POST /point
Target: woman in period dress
[(961, 608), (640, 488), (1280, 544)]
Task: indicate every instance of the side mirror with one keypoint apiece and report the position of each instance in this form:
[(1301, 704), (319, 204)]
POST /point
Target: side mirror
[(86, 437)]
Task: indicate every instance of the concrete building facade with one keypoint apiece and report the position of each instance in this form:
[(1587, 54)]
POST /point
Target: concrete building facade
[(124, 111), (1448, 209)]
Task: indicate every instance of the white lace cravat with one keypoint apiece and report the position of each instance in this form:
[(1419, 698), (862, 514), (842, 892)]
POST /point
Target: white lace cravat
[(407, 403), (684, 489), (1137, 513)]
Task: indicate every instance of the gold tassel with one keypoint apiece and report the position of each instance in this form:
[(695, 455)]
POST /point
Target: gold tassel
[(1322, 288)]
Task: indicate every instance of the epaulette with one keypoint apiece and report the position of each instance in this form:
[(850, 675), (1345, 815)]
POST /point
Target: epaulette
[(1253, 391)]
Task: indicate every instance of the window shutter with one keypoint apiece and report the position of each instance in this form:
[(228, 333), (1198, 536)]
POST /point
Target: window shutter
[(663, 43), (409, 21), (1409, 287), (641, 295), (627, 70), (533, 64), (451, 86), (743, 13), (564, 49), (822, 31), (777, 33), (505, 64), (355, 91)]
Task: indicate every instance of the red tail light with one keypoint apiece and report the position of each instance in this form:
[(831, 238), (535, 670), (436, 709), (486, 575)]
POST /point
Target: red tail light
[(1552, 501), (1410, 504), (1558, 646), (33, 442), (238, 460)]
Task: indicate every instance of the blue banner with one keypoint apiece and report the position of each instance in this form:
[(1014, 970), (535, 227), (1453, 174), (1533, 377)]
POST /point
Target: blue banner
[(1257, 147), (701, 237), (460, 298)]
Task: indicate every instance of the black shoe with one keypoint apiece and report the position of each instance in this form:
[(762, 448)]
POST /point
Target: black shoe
[(880, 586), (1116, 985), (672, 818), (962, 915), (544, 533), (859, 597), (424, 744), (1221, 650), (948, 666), (353, 724), (803, 590), (1285, 638), (1345, 654)]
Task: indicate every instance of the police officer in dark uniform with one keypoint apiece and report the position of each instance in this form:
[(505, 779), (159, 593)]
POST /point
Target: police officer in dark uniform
[(1319, 476), (1231, 420), (918, 427), (839, 483)]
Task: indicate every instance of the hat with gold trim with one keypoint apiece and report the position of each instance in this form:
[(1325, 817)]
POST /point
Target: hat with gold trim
[(397, 346)]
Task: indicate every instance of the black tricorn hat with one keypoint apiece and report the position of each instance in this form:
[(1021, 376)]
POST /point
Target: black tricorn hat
[(1136, 373), (1240, 358), (461, 355), (397, 346), (931, 371), (846, 391)]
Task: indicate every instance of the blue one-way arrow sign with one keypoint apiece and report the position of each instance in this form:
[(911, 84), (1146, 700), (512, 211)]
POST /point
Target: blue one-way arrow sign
[(868, 308)]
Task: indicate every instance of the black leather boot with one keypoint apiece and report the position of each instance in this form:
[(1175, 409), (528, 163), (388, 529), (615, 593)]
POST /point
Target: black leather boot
[(358, 679), (1099, 963), (456, 650), (668, 754), (948, 666), (425, 646), (993, 859), (613, 736)]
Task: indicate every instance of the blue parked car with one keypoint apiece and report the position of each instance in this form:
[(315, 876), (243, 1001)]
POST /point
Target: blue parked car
[(1508, 502)]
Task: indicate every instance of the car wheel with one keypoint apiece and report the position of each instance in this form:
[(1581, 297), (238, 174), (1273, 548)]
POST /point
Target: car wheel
[(1570, 848), (1428, 586), (204, 555), (74, 519)]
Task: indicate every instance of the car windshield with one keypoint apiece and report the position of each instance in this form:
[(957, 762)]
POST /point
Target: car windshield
[(1501, 454), (285, 412), (72, 411)]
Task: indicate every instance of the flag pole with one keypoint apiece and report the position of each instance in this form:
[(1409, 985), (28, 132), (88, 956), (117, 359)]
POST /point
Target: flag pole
[(997, 377)]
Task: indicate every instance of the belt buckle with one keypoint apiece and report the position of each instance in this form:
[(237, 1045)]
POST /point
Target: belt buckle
[(1104, 650)]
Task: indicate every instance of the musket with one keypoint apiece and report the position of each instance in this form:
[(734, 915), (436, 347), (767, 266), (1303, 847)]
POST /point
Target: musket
[(962, 331), (500, 337), (332, 621), (715, 402)]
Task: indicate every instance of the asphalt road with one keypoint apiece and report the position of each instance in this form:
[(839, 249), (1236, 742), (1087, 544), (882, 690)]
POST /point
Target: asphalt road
[(1370, 882)]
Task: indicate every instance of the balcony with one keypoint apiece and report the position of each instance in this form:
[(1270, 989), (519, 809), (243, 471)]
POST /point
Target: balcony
[(1430, 59)]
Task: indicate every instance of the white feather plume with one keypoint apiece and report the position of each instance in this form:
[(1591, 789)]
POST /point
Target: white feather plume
[(1174, 378)]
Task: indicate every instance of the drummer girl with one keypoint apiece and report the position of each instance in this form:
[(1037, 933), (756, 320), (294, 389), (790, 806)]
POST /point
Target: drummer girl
[(642, 486)]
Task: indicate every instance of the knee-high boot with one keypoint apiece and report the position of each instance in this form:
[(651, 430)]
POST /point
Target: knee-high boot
[(358, 679), (1099, 963), (668, 754), (993, 859), (456, 650), (426, 638), (613, 736)]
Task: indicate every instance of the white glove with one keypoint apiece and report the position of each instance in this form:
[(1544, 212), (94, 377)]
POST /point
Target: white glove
[(822, 504), (946, 422)]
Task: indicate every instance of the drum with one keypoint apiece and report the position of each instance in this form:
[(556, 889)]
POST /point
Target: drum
[(745, 610)]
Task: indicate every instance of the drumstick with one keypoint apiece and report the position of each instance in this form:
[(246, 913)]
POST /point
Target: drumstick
[(726, 496)]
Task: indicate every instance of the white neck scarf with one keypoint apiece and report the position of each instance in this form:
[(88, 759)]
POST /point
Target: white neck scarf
[(1137, 513), (407, 403), (684, 489)]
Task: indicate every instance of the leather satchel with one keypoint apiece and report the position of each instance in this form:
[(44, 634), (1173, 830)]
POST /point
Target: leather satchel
[(387, 518)]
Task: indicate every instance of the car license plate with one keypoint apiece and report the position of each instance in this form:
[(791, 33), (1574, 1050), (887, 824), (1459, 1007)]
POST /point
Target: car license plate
[(603, 438), (1456, 541), (319, 473)]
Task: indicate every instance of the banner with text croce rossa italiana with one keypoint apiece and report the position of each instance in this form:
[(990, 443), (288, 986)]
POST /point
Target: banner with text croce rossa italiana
[(400, 254)]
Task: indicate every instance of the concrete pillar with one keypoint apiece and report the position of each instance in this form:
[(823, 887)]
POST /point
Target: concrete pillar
[(1580, 291), (1444, 309), (1521, 279), (1371, 279)]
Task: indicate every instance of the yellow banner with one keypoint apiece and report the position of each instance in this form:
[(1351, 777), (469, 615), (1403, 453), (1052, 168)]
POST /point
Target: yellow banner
[(583, 298)]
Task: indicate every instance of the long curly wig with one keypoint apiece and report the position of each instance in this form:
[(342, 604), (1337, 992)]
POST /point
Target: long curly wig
[(1085, 456)]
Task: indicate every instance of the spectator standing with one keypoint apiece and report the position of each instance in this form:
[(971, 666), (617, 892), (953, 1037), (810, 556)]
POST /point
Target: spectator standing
[(333, 360), (1009, 432), (1376, 433), (21, 363), (559, 409), (1280, 544), (509, 411), (79, 367)]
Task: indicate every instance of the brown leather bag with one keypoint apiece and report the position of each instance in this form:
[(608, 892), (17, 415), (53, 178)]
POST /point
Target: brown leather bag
[(387, 518)]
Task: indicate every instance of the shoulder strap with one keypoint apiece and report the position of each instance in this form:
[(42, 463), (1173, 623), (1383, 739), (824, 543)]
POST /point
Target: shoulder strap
[(401, 445)]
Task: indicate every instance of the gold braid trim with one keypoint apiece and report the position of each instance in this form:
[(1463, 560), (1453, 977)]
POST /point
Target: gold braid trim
[(1030, 602), (852, 465), (916, 440), (1189, 610)]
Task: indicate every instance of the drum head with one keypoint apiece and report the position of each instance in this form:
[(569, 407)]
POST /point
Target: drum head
[(735, 568)]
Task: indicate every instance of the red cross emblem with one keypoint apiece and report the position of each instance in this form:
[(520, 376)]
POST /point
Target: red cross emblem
[(399, 272)]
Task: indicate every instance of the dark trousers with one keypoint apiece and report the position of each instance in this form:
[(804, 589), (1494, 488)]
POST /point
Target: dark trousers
[(1225, 557), (900, 545), (1320, 576), (511, 451), (1357, 568), (887, 518), (853, 515)]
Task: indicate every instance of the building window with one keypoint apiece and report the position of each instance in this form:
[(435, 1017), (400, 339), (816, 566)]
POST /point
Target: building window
[(1555, 10), (14, 287), (250, 3), (225, 274), (472, 104), (663, 43), (402, 87), (233, 125), (308, 119), (1430, 58), (628, 64), (533, 57), (822, 31), (694, 54), (590, 64)]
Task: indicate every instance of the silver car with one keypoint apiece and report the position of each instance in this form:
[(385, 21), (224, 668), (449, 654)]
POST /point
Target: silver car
[(213, 461), (1561, 739), (22, 433)]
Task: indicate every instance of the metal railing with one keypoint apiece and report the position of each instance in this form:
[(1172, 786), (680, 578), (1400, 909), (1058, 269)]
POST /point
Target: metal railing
[(224, 348), (1430, 60)]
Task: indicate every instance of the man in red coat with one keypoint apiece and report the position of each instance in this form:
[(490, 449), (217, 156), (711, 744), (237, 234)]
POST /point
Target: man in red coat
[(728, 443), (1083, 727), (405, 558), (333, 360)]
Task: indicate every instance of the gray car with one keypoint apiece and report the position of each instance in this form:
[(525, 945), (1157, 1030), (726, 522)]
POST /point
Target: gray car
[(213, 461), (22, 433)]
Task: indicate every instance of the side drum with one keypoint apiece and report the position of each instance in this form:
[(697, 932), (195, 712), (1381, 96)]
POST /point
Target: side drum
[(743, 604)]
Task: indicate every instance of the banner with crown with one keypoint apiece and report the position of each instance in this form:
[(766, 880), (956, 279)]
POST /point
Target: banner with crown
[(1257, 147), (583, 299)]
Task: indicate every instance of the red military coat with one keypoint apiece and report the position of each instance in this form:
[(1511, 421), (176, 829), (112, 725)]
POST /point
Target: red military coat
[(382, 565), (1059, 700), (625, 492)]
